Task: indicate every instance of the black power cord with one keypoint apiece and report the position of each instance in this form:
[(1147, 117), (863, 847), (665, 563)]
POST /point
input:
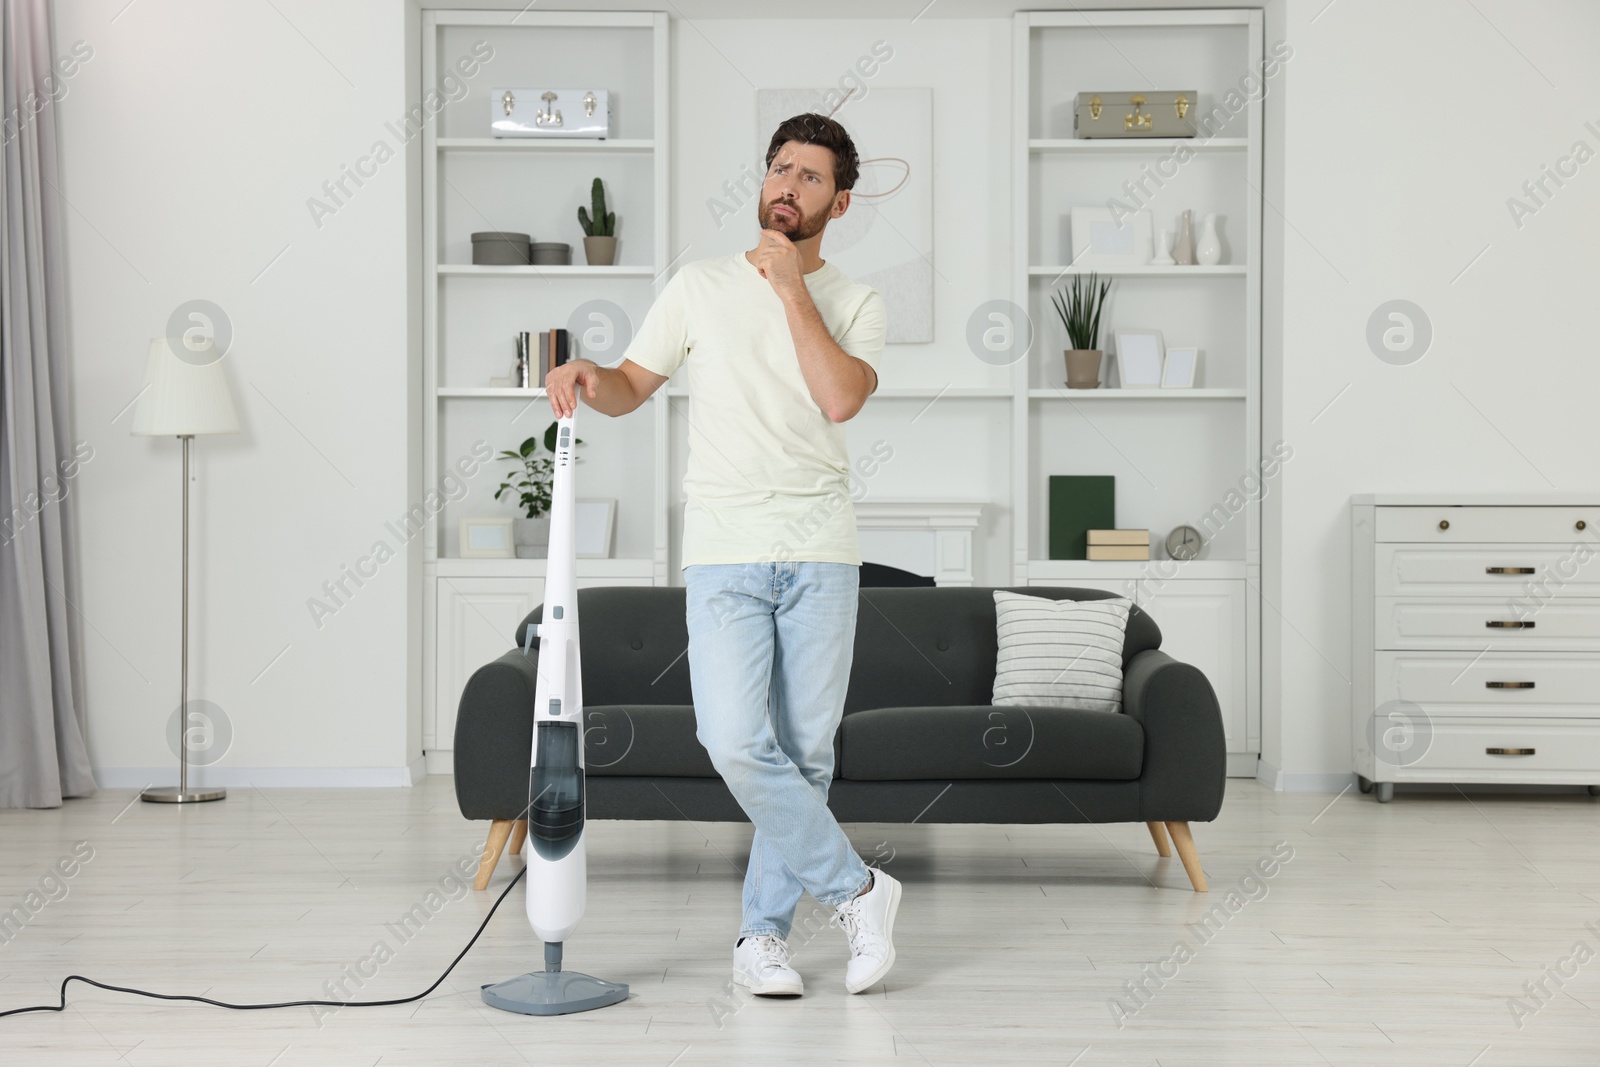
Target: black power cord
[(286, 1004)]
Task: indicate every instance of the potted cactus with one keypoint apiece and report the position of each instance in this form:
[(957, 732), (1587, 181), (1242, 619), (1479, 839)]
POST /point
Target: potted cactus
[(600, 240)]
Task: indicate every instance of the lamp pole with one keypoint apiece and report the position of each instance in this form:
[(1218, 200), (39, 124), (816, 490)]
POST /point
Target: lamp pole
[(180, 795)]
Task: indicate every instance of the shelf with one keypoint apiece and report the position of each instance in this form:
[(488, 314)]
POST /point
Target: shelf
[(1218, 270), (1121, 570), (487, 391), (524, 144), (1063, 393), (917, 393), (547, 270), (948, 392), (1135, 144), (454, 567)]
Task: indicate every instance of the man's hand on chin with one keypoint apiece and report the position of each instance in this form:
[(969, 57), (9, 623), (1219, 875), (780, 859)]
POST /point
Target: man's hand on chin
[(779, 263)]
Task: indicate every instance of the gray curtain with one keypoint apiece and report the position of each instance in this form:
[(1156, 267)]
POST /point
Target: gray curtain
[(42, 752)]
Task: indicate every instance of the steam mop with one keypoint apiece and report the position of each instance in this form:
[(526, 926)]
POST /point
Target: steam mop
[(557, 864)]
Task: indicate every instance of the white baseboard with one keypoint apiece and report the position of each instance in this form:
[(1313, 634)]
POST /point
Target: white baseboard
[(266, 777), (1303, 782), (440, 760), (417, 770)]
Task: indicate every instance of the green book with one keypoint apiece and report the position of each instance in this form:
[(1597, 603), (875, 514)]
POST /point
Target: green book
[(1080, 503)]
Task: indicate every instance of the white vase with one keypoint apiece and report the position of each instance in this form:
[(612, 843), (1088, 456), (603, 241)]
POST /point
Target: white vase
[(1161, 257), (1183, 247), (1208, 251)]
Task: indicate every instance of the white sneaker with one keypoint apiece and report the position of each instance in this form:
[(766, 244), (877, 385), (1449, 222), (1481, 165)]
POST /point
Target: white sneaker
[(761, 965), (868, 921)]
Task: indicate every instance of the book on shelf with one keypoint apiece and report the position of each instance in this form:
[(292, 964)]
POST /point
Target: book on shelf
[(1079, 503), (1119, 537), (553, 351), (1123, 552)]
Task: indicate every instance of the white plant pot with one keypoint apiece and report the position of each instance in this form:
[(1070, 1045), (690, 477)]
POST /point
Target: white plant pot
[(532, 536)]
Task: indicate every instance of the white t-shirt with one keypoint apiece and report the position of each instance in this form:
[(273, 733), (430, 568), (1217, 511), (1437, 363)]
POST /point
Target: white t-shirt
[(768, 472)]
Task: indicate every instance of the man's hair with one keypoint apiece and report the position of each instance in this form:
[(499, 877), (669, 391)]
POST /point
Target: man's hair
[(812, 128)]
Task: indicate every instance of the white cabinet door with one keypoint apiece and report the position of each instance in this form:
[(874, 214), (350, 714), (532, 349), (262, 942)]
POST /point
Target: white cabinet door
[(1202, 623), (478, 620)]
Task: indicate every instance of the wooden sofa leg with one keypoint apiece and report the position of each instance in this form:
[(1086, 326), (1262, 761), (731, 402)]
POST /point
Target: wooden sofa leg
[(519, 833), (495, 844), (1186, 852), (1158, 834)]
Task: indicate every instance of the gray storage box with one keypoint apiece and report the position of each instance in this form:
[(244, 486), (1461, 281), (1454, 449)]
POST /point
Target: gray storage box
[(552, 253), (1168, 113), (496, 248)]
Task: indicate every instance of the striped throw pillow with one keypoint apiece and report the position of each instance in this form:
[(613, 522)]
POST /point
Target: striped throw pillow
[(1059, 653)]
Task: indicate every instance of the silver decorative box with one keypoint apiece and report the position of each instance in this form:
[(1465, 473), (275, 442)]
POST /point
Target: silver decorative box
[(550, 113)]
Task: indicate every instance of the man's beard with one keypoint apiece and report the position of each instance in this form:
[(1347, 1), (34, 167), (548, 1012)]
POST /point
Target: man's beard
[(796, 227)]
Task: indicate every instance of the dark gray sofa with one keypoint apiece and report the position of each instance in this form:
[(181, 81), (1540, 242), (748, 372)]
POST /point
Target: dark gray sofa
[(919, 741)]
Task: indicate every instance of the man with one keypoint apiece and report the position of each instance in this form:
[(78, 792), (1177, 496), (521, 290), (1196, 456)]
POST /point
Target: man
[(782, 350)]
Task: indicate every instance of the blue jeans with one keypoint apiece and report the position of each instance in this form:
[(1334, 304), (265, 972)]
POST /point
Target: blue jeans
[(770, 646)]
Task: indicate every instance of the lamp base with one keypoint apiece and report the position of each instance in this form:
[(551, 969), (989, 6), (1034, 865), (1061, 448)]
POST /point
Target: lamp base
[(168, 794)]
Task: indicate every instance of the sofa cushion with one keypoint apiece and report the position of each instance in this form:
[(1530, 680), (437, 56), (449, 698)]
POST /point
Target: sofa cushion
[(913, 647), (983, 741), (650, 740), (936, 647), (634, 641), (1059, 653)]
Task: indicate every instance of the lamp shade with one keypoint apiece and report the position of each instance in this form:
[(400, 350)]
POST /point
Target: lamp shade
[(183, 396)]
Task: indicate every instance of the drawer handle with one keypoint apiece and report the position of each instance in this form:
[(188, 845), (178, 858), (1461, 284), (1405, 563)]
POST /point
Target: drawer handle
[(1508, 570), (1508, 685), (1444, 524), (1509, 624), (1508, 751)]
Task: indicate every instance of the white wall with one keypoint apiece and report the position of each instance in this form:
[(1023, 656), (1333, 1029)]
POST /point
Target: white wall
[(956, 447), (190, 143), (1408, 126)]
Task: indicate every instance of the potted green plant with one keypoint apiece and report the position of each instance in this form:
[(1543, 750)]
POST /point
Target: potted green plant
[(531, 481), (1080, 314), (600, 242)]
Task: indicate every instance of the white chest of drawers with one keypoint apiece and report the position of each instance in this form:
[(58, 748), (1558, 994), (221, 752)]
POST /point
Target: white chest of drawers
[(1475, 641)]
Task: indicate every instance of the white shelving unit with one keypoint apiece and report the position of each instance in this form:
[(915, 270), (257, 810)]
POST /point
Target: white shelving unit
[(472, 313), (1175, 453)]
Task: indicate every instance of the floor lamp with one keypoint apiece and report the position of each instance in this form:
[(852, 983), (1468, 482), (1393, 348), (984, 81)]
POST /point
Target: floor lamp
[(184, 395)]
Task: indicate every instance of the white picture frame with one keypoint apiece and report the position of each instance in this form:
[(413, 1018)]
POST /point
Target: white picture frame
[(1101, 239), (1139, 359), (489, 537), (596, 523), (1178, 368)]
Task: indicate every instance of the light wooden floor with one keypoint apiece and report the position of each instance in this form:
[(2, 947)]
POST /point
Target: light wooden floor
[(1396, 934)]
